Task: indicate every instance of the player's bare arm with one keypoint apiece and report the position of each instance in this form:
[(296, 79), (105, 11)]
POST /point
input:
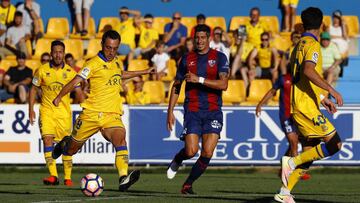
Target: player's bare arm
[(67, 88), (314, 77), (220, 84), (132, 74), (32, 96), (174, 95), (329, 105), (266, 98)]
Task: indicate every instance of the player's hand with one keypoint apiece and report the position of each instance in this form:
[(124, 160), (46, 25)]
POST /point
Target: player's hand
[(176, 25), (337, 96), (32, 116), (150, 70), (258, 110), (191, 77), (329, 105), (170, 120), (56, 101)]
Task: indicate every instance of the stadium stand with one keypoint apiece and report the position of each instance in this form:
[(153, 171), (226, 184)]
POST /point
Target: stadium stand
[(353, 25), (181, 95), (189, 22), (75, 47), (216, 21), (107, 23), (156, 90), (258, 89), (235, 92), (57, 28), (42, 45), (91, 31), (159, 24), (171, 71), (94, 46)]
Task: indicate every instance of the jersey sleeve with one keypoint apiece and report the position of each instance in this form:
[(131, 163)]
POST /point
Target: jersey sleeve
[(312, 54), (181, 71), (37, 78), (277, 85), (86, 72), (223, 63)]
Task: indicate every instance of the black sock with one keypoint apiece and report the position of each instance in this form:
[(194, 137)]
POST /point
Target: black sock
[(180, 156), (197, 170)]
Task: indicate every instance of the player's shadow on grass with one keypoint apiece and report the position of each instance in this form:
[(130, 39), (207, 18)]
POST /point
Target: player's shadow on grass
[(13, 184), (17, 193)]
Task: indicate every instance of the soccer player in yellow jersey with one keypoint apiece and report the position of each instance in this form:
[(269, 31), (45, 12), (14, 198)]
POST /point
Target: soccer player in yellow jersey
[(102, 109), (54, 122), (309, 89)]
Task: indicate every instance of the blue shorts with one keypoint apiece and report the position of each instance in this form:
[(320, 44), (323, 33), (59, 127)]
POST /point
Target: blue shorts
[(202, 122), (288, 126)]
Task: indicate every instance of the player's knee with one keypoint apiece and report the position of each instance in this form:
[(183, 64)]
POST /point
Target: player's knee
[(191, 152), (333, 145), (206, 153)]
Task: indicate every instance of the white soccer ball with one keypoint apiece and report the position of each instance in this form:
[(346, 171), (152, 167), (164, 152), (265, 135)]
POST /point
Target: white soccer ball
[(92, 185)]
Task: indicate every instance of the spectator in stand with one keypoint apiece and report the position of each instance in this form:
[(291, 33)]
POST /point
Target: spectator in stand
[(160, 61), (174, 37), (189, 44), (255, 28), (240, 62), (126, 29), (82, 15), (31, 13), (331, 59), (200, 20), (285, 58), (339, 35), (69, 59), (147, 40), (3, 51), (136, 96), (221, 42), (17, 35), (45, 58), (7, 12), (264, 61), (2, 73), (289, 7), (17, 81)]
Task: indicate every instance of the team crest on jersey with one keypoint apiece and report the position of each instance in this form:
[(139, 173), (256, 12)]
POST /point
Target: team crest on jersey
[(35, 80), (315, 57), (211, 62)]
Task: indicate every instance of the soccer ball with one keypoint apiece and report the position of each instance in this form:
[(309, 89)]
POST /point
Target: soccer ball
[(92, 185)]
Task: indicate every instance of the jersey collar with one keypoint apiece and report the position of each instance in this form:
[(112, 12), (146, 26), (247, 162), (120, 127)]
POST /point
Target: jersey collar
[(51, 64), (101, 55), (309, 35)]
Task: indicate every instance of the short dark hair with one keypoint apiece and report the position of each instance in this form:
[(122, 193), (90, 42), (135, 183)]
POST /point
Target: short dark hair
[(45, 54), (20, 55), (159, 43), (312, 18), (148, 15), (57, 43), (265, 34), (201, 17), (202, 28), (18, 13), (68, 55), (112, 34), (255, 9)]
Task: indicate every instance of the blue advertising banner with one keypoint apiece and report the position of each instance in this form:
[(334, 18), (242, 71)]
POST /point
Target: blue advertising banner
[(245, 138)]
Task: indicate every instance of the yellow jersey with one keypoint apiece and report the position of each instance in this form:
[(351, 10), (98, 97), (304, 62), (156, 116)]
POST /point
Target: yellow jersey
[(254, 32), (105, 84), (247, 48), (51, 81), (7, 14), (147, 36), (126, 30), (264, 56), (305, 96)]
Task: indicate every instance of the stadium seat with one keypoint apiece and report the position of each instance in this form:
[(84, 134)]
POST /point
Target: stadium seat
[(281, 43), (159, 24), (75, 47), (41, 23), (33, 64), (181, 95), (215, 21), (189, 22), (57, 28), (94, 47), (42, 45), (91, 31), (236, 21), (28, 47), (156, 90), (235, 92), (258, 89), (171, 71), (138, 64), (107, 23), (7, 63), (272, 22), (352, 24)]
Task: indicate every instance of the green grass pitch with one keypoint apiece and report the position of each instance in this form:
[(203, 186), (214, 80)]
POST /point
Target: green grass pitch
[(229, 185)]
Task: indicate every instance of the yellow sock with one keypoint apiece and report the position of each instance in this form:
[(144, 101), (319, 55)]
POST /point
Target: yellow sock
[(51, 163), (295, 177), (122, 160), (312, 154), (67, 162)]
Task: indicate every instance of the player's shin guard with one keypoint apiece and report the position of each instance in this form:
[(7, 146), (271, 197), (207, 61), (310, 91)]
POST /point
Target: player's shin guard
[(67, 162), (197, 170), (50, 162), (122, 160)]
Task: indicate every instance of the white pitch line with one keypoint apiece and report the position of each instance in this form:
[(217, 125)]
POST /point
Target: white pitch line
[(88, 199)]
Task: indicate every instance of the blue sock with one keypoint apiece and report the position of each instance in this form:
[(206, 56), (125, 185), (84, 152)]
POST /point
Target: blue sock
[(197, 170)]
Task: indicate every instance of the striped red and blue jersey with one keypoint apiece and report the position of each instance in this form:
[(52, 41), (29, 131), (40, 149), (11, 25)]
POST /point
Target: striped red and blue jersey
[(284, 83), (198, 97)]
